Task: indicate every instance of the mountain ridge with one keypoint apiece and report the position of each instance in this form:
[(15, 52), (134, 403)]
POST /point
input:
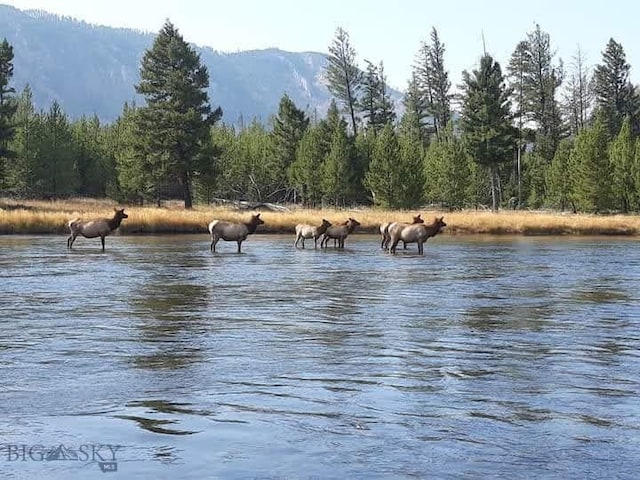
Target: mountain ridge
[(92, 69)]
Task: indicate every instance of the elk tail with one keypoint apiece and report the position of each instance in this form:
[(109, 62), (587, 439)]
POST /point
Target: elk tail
[(73, 223), (212, 226)]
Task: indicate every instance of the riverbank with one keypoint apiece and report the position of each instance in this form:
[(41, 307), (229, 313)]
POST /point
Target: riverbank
[(51, 217)]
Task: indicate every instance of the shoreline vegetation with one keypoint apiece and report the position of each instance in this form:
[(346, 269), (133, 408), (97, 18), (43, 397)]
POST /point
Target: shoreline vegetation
[(52, 216)]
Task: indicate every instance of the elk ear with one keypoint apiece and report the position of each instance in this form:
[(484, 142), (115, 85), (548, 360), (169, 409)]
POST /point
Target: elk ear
[(257, 215), (442, 218)]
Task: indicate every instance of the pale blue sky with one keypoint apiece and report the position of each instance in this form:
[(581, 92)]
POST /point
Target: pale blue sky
[(388, 31)]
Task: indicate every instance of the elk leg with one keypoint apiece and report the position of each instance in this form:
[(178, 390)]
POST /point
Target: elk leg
[(71, 239)]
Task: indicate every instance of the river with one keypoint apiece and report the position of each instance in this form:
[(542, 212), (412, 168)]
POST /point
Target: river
[(488, 357)]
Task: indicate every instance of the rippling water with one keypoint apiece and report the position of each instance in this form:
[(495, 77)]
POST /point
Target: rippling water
[(484, 358)]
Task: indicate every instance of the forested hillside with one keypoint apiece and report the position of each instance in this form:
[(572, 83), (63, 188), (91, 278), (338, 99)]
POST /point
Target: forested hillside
[(532, 132), (91, 69)]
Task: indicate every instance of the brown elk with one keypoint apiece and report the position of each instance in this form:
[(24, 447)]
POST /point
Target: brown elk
[(419, 233), (309, 231), (100, 227), (384, 232), (233, 232), (339, 232)]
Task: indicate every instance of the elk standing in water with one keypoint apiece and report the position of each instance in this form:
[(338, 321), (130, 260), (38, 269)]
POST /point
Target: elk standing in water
[(233, 232), (419, 233), (309, 231), (95, 228), (384, 232), (339, 232)]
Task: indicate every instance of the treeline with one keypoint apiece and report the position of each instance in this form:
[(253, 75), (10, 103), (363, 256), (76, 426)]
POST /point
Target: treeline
[(536, 134)]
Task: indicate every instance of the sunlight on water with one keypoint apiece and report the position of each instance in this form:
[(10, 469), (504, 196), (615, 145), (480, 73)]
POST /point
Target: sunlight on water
[(486, 357)]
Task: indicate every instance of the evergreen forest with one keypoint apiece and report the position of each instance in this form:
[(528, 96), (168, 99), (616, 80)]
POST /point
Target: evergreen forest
[(533, 133)]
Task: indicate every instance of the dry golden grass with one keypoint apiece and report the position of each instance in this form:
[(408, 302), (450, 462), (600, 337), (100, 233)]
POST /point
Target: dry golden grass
[(52, 216)]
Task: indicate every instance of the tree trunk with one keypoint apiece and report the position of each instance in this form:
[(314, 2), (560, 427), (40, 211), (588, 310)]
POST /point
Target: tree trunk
[(186, 189), (494, 198)]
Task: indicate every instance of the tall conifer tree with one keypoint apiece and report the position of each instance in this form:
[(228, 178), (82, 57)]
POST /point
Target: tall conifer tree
[(486, 120), (176, 120), (343, 75)]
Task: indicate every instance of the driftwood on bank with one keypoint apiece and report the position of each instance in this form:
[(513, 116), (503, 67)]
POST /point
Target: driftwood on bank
[(244, 205)]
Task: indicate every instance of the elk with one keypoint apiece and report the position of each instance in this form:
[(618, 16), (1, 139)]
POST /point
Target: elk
[(339, 232), (384, 232), (419, 233), (233, 232), (100, 227), (309, 231)]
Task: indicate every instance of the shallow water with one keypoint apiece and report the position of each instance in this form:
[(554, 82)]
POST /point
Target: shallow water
[(510, 357)]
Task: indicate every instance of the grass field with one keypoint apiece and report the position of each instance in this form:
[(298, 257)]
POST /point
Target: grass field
[(51, 217)]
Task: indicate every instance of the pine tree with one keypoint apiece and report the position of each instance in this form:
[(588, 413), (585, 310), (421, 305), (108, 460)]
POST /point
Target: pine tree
[(621, 158), (560, 178), (593, 175), (577, 96), (343, 75), (289, 127), (223, 140), (636, 174), (534, 186), (375, 103), (61, 176), (137, 178), (89, 157), (23, 173), (433, 81), (447, 171), (252, 171), (486, 120), (416, 109), (305, 172), (362, 153), (7, 105), (412, 159), (206, 177), (615, 97), (384, 179), (336, 170), (534, 80), (176, 120)]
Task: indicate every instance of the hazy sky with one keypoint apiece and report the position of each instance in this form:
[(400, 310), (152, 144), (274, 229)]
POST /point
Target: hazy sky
[(380, 31)]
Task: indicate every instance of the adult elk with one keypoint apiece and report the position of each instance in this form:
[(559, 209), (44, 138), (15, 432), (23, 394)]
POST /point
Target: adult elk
[(418, 233), (100, 227), (233, 232), (339, 232), (309, 231), (384, 232)]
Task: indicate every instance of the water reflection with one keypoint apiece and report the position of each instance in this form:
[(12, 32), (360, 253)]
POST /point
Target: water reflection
[(166, 410), (485, 357), (170, 321)]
